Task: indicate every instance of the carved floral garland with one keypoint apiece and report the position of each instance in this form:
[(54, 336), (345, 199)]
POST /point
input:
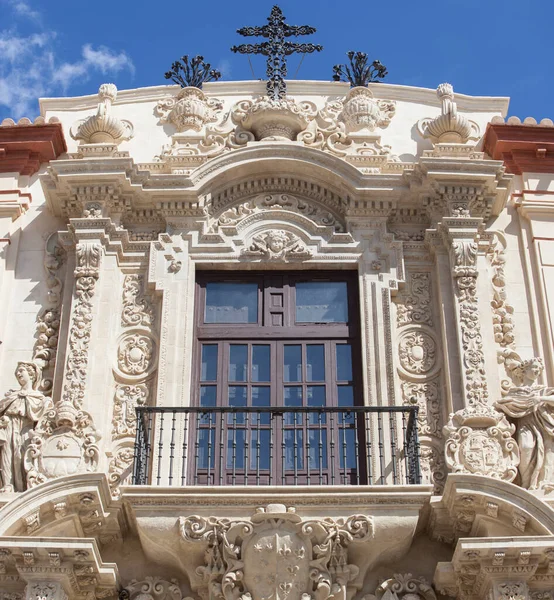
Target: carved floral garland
[(86, 275)]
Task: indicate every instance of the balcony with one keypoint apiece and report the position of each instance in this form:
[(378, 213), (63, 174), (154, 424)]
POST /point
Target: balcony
[(276, 446)]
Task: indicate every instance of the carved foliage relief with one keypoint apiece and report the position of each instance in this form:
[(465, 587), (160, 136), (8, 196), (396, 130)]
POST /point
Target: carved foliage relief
[(276, 554), (136, 362), (420, 373)]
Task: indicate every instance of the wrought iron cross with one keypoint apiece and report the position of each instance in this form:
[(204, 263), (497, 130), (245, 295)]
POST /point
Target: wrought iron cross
[(276, 49)]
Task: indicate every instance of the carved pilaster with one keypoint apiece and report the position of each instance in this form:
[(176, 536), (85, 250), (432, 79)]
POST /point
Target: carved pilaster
[(135, 364), (478, 436), (87, 271)]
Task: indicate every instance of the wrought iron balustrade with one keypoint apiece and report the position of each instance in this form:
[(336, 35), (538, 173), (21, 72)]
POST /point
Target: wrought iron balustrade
[(276, 446)]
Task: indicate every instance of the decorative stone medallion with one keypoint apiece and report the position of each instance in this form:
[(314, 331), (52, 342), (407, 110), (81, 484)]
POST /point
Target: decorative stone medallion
[(135, 355), (417, 352)]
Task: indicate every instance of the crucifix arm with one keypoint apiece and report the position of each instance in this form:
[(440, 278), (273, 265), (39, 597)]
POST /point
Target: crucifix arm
[(298, 30), (247, 31), (291, 47), (252, 48)]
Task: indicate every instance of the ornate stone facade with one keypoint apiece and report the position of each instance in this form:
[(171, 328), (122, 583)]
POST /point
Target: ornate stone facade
[(104, 492)]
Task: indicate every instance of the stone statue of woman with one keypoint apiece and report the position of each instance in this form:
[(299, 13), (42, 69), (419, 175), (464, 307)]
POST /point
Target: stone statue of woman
[(19, 411), (532, 406)]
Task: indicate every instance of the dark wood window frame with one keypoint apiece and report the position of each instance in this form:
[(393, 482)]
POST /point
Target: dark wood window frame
[(264, 332)]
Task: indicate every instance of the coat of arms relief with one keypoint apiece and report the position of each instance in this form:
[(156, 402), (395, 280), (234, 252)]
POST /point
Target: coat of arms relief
[(277, 556)]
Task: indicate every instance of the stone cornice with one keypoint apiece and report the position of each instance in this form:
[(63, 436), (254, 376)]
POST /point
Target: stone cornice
[(523, 148), (310, 88), (24, 147)]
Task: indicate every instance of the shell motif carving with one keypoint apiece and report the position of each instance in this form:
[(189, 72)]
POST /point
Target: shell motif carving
[(362, 111), (417, 352), (135, 353), (190, 109), (103, 127)]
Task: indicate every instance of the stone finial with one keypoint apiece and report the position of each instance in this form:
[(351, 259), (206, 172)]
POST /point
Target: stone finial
[(103, 127), (363, 112), (449, 127)]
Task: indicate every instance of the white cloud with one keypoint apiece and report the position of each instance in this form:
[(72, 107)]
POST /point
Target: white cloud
[(29, 67)]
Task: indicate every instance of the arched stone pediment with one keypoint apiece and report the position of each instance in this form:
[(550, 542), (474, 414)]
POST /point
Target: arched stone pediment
[(277, 159)]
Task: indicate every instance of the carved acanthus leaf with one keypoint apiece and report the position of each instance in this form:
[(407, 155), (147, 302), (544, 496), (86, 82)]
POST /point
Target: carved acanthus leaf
[(190, 109)]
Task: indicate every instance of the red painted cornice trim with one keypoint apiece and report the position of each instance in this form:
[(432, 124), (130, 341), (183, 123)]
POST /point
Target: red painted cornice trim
[(523, 148), (24, 147)]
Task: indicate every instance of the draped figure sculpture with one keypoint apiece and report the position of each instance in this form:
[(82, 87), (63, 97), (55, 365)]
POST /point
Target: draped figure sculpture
[(531, 406), (19, 411)]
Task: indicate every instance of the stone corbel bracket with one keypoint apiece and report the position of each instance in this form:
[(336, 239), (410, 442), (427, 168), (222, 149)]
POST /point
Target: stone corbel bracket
[(498, 568), (52, 568)]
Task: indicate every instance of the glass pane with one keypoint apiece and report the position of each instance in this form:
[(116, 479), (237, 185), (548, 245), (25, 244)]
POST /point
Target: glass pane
[(235, 448), (321, 302), (237, 397), (318, 448), (316, 397), (344, 362), (260, 397), (294, 449), (315, 362), (293, 397), (205, 450), (293, 363), (231, 303), (238, 361), (259, 453), (209, 363), (346, 398), (260, 363), (208, 397)]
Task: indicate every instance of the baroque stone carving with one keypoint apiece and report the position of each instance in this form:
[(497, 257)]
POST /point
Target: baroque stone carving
[(420, 373), (190, 109), (276, 246), (137, 310), (273, 119), (86, 274), (135, 354), (345, 128), (531, 406), (417, 352), (45, 591), (276, 554), (279, 203), (416, 307), (103, 127), (403, 587), (480, 449), (152, 588), (362, 111), (126, 399), (450, 127), (19, 412), (503, 321), (64, 442)]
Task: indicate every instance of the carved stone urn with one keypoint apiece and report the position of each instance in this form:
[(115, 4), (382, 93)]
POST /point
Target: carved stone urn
[(190, 109), (362, 111), (274, 119)]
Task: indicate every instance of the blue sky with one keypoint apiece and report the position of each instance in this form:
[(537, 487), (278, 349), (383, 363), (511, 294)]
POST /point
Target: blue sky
[(482, 47)]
